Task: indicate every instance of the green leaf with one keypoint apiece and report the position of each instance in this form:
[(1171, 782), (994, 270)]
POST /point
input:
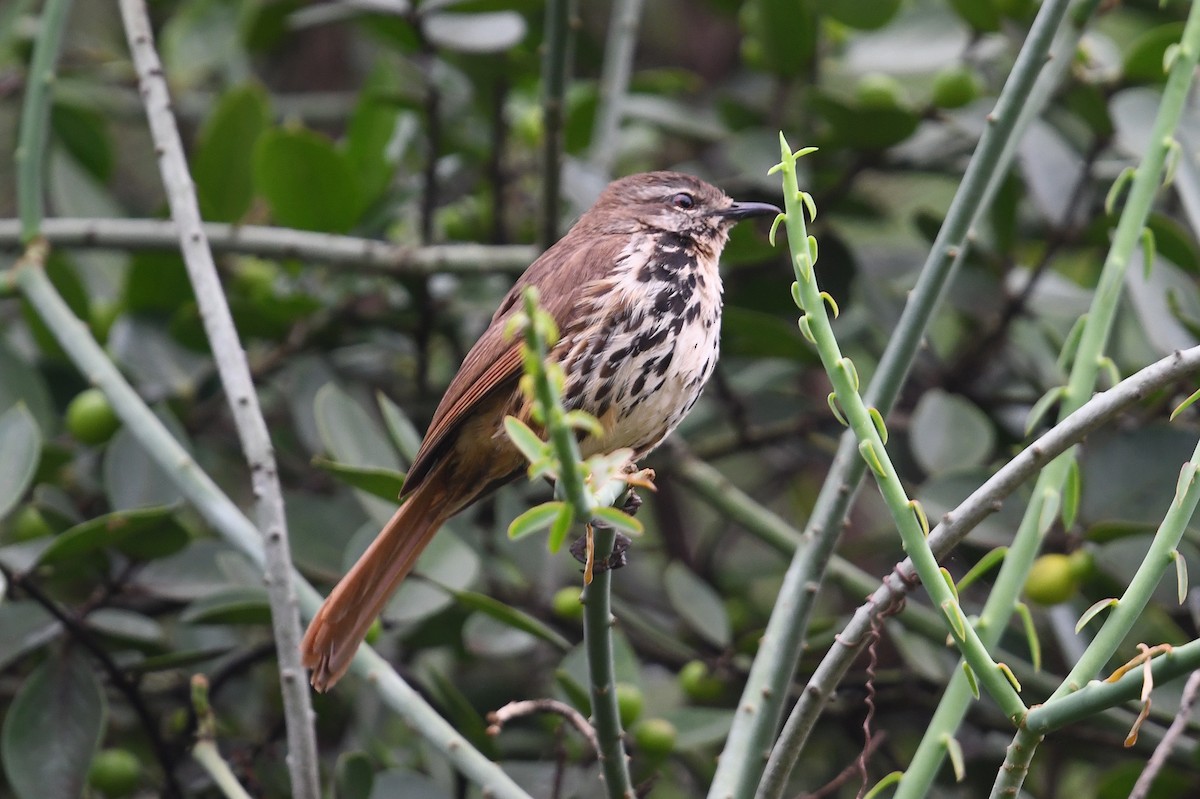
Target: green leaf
[(307, 182), (1145, 55), (20, 450), (53, 728), (223, 164), (132, 479), (128, 627), (115, 529), (349, 434), (404, 434), (527, 441), (539, 517), (487, 637), (949, 433), (562, 526), (1031, 636), (698, 604), (699, 726), (25, 626), (353, 776), (368, 137), (383, 483), (1072, 491), (955, 753), (981, 15), (238, 605), (1094, 610), (860, 14), (21, 383), (85, 135), (785, 32), (513, 617), (617, 520), (1042, 407)]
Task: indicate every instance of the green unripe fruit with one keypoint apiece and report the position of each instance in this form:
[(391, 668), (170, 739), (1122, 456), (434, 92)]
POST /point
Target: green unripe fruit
[(566, 604), (629, 701), (877, 90), (1051, 580), (955, 87), (29, 523), (698, 682), (373, 632), (115, 772), (101, 315), (655, 738), (90, 417)]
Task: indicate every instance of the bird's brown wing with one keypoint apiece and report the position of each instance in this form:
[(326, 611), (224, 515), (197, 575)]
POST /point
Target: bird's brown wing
[(494, 363)]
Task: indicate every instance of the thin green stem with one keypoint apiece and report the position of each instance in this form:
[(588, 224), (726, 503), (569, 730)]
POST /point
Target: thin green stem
[(1098, 695), (614, 82), (762, 701), (555, 65), (1047, 492), (367, 255), (597, 635), (570, 483), (241, 395), (35, 113), (1161, 556), (1016, 764), (869, 431)]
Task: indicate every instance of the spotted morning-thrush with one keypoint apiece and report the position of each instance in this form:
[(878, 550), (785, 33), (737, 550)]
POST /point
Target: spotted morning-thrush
[(635, 292)]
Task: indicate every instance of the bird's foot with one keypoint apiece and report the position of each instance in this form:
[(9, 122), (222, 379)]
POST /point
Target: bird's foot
[(584, 550)]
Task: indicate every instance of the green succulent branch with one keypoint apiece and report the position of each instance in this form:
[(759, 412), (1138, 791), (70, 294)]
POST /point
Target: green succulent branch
[(867, 423), (587, 490), (31, 142), (1088, 359), (1100, 694)]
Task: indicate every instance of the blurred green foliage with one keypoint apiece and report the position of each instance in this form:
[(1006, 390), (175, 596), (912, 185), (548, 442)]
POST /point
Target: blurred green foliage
[(423, 127)]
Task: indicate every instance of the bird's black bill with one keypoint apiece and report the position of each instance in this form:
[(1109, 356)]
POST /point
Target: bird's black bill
[(746, 210)]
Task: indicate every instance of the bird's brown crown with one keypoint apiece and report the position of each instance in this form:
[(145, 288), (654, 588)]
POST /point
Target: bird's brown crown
[(668, 201)]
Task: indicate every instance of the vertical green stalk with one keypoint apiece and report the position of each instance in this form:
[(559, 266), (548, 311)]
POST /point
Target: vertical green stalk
[(597, 619), (1047, 493), (35, 116), (598, 622), (1016, 764), (555, 65), (754, 727), (869, 429)]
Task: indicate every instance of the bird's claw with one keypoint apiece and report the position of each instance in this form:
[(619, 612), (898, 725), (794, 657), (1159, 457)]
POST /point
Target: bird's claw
[(615, 560)]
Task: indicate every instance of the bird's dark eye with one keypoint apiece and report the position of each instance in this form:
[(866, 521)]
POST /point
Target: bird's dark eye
[(682, 200)]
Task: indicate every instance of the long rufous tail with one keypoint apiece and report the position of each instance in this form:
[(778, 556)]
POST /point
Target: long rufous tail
[(348, 612)]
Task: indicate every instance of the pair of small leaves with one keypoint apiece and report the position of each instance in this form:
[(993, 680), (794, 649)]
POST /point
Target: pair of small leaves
[(558, 517)]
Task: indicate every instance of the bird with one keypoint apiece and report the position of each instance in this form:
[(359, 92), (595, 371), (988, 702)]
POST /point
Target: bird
[(635, 291)]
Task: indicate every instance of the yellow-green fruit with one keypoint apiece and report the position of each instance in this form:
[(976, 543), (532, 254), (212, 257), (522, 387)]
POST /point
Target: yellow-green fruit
[(29, 523), (699, 683), (101, 315), (955, 87), (877, 90), (629, 701), (90, 417), (1051, 580), (1082, 564), (566, 604), (115, 772), (655, 738), (373, 632)]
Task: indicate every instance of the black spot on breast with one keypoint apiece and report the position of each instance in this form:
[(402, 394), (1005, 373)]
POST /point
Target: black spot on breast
[(692, 313), (602, 393), (638, 385), (661, 368), (646, 341)]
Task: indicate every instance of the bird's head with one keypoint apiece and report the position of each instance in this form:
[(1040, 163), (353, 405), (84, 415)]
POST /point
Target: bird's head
[(672, 202)]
